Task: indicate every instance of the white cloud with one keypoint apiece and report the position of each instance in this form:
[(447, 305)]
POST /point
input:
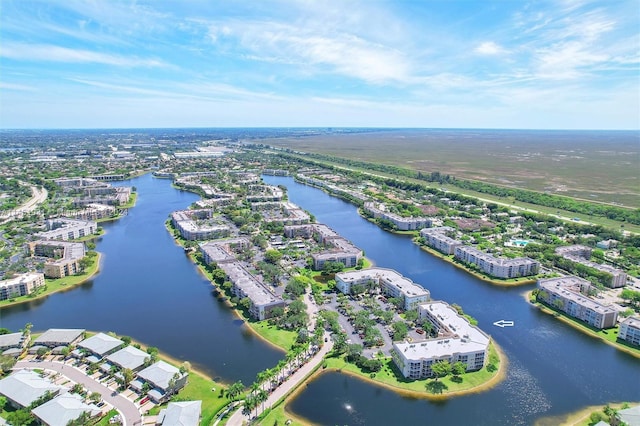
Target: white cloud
[(489, 48), (50, 53)]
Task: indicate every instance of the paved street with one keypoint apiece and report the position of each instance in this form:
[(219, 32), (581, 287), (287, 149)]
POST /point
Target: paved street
[(38, 197), (128, 410), (296, 378)]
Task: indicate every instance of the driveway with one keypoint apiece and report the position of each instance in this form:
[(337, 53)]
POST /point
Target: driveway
[(128, 410)]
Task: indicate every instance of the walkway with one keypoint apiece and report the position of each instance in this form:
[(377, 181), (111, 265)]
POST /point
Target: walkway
[(296, 378), (128, 410)]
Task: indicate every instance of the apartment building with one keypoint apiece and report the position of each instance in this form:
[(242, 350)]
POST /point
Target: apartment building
[(437, 238), (281, 212), (244, 284), (200, 224), (62, 257), (93, 211), (497, 267), (581, 254), (379, 211), (569, 295), (390, 282), (258, 193), (630, 331), (339, 248), (21, 285), (163, 378), (457, 340), (65, 228)]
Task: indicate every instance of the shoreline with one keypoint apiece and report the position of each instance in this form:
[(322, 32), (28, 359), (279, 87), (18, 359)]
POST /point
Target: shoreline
[(64, 288), (575, 418), (227, 302), (476, 275), (548, 311)]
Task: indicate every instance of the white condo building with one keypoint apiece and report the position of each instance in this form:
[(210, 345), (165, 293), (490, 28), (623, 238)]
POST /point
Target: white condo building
[(457, 340), (21, 285), (630, 330), (391, 283), (581, 254), (569, 295)]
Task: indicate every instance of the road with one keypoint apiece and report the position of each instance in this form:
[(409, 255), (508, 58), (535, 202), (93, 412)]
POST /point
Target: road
[(38, 197), (294, 379), (128, 410)]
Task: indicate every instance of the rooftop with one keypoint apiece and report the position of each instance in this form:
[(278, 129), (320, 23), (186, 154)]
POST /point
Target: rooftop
[(59, 336), (160, 374), (186, 413), (129, 357), (25, 386), (101, 343), (62, 409)]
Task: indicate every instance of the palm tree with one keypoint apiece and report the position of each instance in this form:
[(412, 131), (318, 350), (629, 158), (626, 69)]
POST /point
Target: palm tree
[(235, 390), (261, 397)]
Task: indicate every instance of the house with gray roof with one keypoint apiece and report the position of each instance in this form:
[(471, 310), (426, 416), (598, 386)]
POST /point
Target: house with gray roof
[(129, 357), (630, 416), (98, 346), (25, 386), (164, 379), (184, 413), (62, 409), (59, 337), (13, 344)]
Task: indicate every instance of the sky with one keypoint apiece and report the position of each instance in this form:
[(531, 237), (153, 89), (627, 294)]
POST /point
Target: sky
[(563, 64)]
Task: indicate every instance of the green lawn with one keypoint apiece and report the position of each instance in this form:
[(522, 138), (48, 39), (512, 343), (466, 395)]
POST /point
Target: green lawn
[(200, 388), (56, 285), (131, 202), (281, 338)]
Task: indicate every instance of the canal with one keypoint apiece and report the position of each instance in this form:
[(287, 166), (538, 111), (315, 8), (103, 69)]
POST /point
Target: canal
[(150, 290), (553, 369)]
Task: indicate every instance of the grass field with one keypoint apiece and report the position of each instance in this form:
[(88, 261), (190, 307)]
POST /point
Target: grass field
[(595, 166)]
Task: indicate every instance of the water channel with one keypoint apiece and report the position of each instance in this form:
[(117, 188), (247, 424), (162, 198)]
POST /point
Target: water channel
[(148, 289), (553, 369)]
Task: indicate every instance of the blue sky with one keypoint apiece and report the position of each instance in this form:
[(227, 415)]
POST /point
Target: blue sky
[(566, 64)]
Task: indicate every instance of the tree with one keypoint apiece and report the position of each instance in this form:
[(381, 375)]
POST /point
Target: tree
[(354, 351), (127, 377), (21, 417), (411, 315), (441, 368), (331, 267), (235, 390), (6, 363), (95, 397), (400, 330), (42, 351), (245, 303), (83, 419), (272, 256)]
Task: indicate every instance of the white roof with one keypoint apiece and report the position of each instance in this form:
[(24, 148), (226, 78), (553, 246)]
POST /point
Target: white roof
[(59, 336), (101, 343), (25, 386), (11, 340), (159, 374), (62, 409), (129, 357), (185, 413)]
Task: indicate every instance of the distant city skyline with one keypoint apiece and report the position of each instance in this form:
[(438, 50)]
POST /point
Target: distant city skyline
[(569, 64)]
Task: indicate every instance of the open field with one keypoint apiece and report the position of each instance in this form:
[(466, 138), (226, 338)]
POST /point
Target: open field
[(592, 165)]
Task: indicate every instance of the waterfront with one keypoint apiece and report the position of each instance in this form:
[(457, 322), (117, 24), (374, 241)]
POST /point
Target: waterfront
[(553, 369), (150, 290)]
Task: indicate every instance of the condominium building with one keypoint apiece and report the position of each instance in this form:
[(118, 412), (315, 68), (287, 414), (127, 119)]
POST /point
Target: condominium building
[(259, 193), (281, 212), (630, 330), (244, 284), (340, 249), (93, 211), (200, 224), (390, 282), (569, 295), (457, 340), (65, 228), (21, 285), (497, 267), (437, 238), (63, 258), (581, 254), (379, 211)]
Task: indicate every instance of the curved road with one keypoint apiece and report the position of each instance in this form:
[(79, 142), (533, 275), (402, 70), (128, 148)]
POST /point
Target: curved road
[(38, 197), (128, 410)]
